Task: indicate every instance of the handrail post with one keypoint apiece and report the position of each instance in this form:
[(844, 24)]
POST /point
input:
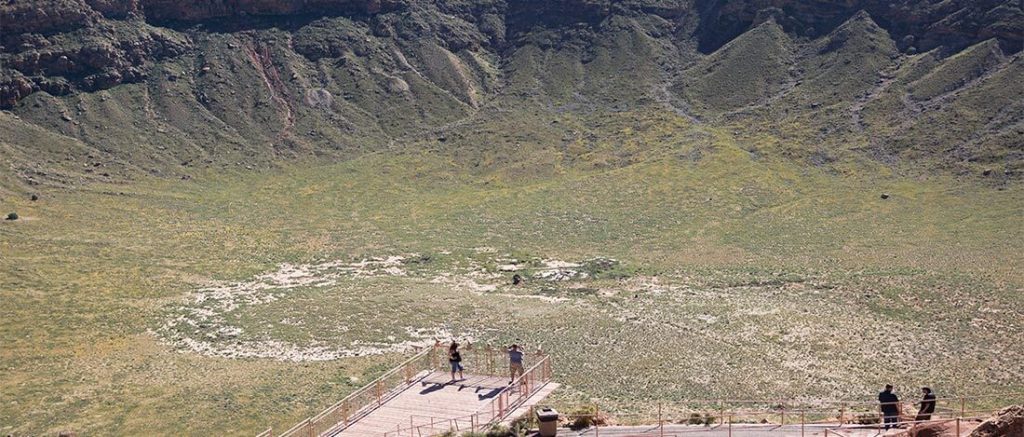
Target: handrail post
[(661, 422), (842, 414), (597, 423), (730, 424), (379, 392), (801, 423), (957, 427), (783, 413)]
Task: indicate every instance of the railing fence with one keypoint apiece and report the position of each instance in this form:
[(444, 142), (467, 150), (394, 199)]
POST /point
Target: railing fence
[(718, 416), (482, 360)]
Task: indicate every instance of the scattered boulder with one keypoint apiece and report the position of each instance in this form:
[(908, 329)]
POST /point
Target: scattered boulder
[(34, 197), (517, 279), (12, 216), (929, 430), (1007, 422), (319, 98), (397, 85), (885, 196), (987, 172)]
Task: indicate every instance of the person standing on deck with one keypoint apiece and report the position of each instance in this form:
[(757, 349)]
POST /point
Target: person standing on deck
[(889, 404), (515, 362), (927, 405), (455, 359)]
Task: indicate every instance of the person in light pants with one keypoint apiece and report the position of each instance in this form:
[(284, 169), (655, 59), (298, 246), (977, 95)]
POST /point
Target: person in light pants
[(455, 359)]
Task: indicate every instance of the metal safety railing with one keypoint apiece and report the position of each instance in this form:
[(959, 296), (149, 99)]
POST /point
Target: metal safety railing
[(484, 360), (363, 400), (721, 416), (507, 401)]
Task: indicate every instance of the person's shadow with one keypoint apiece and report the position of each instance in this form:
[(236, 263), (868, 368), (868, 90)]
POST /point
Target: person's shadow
[(432, 388), (488, 395)]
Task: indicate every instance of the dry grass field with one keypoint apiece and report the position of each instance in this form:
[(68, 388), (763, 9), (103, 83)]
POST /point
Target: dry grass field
[(232, 302)]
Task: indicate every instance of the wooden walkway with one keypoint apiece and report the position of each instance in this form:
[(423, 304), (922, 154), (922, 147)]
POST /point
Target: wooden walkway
[(435, 404)]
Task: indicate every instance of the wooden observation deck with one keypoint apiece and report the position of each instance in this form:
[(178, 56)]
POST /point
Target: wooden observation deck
[(418, 398)]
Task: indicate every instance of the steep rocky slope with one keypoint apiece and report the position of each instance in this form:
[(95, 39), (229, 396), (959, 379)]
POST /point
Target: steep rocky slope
[(164, 87)]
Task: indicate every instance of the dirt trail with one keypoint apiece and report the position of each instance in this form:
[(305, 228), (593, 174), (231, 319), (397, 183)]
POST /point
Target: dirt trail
[(663, 95)]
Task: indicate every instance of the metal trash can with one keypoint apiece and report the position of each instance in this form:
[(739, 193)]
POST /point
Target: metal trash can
[(547, 418)]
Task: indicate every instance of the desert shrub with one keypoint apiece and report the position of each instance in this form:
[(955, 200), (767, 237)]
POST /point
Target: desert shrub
[(499, 431), (867, 419), (582, 417), (709, 420), (12, 216), (521, 426), (607, 268), (581, 422), (695, 419)]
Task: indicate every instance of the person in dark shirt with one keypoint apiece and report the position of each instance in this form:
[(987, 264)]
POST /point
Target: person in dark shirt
[(515, 363), (455, 359), (927, 405), (889, 404)]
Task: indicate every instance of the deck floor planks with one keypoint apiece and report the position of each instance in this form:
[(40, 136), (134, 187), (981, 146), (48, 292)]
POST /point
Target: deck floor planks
[(431, 397)]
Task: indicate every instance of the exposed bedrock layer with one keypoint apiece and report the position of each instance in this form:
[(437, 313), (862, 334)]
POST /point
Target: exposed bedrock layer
[(61, 45), (163, 86)]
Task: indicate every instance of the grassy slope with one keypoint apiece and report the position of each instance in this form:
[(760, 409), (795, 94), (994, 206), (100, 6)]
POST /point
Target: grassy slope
[(745, 243), (746, 71), (957, 70)]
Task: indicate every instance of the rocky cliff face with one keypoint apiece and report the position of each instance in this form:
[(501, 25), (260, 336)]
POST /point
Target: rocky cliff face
[(915, 25), (59, 46), (198, 11), (163, 85)]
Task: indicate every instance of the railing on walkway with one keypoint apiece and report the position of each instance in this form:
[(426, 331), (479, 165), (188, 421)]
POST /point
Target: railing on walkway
[(499, 408), (363, 400), (484, 360), (834, 419)]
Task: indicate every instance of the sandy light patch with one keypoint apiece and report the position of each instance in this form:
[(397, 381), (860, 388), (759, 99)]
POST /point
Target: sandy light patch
[(200, 325)]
